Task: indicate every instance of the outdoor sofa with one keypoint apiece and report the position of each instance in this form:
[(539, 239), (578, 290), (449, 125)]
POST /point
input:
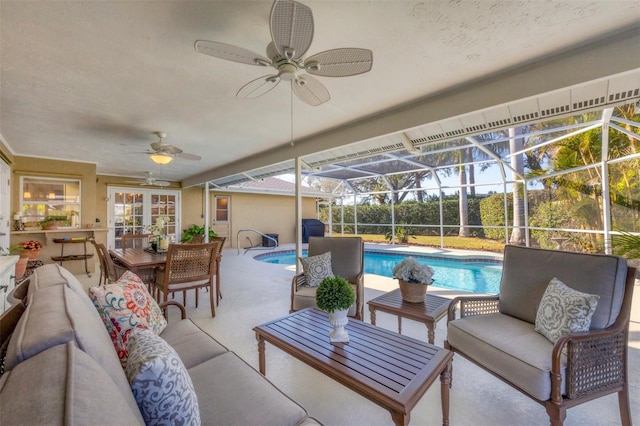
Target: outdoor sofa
[(62, 367)]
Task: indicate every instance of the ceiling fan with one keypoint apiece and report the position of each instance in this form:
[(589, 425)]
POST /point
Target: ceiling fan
[(291, 26), (163, 153), (149, 180)]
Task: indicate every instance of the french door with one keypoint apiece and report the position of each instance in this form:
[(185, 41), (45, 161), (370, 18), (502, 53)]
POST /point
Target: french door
[(133, 210)]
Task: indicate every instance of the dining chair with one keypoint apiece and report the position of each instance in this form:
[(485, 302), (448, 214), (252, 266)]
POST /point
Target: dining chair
[(109, 270), (135, 241), (218, 260), (188, 267)]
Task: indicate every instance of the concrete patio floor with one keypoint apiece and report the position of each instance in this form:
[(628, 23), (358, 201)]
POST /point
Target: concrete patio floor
[(255, 292)]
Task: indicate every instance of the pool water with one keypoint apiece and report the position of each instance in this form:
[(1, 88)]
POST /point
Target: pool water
[(476, 276)]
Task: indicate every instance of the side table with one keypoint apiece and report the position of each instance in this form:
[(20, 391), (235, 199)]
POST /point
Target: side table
[(431, 311)]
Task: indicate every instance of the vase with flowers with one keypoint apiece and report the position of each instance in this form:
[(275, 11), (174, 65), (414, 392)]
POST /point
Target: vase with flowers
[(159, 231), (31, 249), (414, 278)]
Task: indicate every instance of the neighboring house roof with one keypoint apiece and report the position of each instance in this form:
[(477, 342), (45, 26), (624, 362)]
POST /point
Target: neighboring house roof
[(272, 185)]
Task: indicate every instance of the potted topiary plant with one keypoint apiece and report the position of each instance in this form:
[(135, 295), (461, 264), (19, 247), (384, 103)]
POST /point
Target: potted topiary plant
[(414, 278), (335, 295)]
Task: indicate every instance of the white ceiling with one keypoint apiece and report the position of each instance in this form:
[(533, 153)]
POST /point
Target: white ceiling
[(91, 80)]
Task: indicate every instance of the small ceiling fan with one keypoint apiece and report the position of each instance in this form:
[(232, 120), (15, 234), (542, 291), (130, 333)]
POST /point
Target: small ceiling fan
[(163, 153), (291, 26), (149, 180)]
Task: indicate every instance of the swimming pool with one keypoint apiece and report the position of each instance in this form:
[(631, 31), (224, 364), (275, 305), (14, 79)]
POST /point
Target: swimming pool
[(473, 275)]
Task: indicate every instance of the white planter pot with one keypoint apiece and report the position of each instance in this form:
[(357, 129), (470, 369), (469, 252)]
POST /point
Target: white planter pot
[(338, 320)]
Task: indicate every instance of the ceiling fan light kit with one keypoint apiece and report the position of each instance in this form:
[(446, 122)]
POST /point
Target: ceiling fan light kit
[(163, 153), (161, 158), (292, 28)]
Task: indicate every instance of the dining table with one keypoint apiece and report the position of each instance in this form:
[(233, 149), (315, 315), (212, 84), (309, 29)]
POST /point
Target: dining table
[(143, 261)]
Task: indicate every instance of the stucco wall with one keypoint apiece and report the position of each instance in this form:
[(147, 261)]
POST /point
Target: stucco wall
[(269, 214)]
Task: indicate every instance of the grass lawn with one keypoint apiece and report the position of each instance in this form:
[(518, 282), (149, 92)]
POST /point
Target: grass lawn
[(464, 243)]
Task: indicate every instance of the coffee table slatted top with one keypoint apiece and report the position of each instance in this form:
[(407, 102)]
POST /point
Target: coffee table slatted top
[(382, 365)]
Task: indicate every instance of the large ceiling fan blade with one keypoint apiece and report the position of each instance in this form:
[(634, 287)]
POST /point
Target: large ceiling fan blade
[(310, 90), (230, 53), (188, 156), (258, 87), (291, 28), (340, 62)]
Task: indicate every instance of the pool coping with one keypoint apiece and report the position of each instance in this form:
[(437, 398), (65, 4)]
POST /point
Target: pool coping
[(465, 256)]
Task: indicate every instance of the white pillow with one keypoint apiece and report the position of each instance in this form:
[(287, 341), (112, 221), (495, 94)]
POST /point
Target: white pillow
[(160, 382), (564, 310), (316, 269)]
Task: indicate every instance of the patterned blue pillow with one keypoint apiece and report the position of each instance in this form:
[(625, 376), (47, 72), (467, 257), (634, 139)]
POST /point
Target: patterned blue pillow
[(316, 269), (564, 310), (160, 382)]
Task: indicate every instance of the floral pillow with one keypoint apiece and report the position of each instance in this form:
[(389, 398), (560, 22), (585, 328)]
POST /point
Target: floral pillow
[(316, 269), (160, 382), (564, 310), (124, 306)]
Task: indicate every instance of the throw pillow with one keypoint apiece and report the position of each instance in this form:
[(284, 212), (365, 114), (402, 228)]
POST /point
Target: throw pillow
[(316, 269), (564, 310), (125, 305), (160, 382)]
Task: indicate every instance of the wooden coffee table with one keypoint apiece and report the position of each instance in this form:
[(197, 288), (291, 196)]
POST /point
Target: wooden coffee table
[(431, 311), (392, 370)]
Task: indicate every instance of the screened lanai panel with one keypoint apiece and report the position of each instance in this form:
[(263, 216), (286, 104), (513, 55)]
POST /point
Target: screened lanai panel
[(389, 166), (624, 190)]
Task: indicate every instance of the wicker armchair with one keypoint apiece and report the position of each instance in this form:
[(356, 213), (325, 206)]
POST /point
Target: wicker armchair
[(580, 366), (347, 261)]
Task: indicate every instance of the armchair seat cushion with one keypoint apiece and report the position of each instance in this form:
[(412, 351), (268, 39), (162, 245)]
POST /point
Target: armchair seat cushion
[(516, 352)]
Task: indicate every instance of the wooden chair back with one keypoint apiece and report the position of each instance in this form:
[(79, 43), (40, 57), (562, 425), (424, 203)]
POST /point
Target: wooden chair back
[(135, 241), (189, 266), (109, 272)]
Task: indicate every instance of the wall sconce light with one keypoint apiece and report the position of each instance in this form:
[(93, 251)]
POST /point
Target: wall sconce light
[(26, 195), (161, 158), (52, 196)]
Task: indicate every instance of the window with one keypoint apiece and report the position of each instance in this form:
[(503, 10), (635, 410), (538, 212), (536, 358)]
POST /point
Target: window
[(49, 199), (222, 209)]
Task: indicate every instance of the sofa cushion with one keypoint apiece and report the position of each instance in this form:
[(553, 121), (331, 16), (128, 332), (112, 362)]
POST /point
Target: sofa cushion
[(316, 269), (52, 275), (564, 310), (64, 385), (125, 305), (236, 394), (160, 382), (517, 351), (191, 343), (57, 315), (526, 273)]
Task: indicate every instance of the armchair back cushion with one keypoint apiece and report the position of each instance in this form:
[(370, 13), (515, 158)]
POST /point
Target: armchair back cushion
[(522, 286), (347, 256)]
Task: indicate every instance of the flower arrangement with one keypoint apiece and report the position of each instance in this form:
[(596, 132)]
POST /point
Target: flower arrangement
[(410, 270), (159, 228), (31, 245)]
